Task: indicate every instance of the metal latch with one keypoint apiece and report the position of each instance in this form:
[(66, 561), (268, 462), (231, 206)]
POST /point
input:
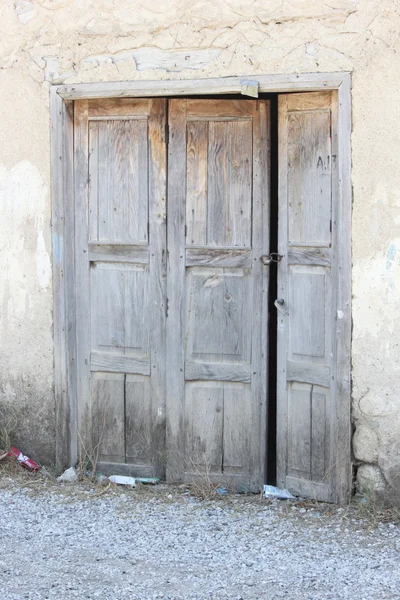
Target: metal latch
[(279, 304), (267, 259)]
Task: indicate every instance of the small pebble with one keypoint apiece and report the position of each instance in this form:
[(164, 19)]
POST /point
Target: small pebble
[(142, 546)]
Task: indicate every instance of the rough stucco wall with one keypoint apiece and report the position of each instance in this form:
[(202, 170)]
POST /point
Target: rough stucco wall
[(47, 41)]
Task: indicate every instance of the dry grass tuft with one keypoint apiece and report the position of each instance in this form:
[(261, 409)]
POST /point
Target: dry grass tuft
[(375, 508)]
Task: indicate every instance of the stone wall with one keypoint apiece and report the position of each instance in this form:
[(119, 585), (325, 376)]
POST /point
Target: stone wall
[(54, 41)]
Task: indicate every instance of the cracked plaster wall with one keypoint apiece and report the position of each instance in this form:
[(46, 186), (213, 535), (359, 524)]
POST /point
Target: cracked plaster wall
[(54, 41)]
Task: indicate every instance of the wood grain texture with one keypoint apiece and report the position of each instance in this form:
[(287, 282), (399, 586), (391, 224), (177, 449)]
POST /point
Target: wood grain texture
[(63, 277), (93, 181), (217, 372), (67, 248), (238, 431), (309, 445), (282, 329), (306, 372), (108, 308), (309, 176), (119, 298), (309, 311), (108, 415), (175, 363), (229, 184), (196, 183), (309, 256), (62, 194), (158, 280), (218, 303), (204, 427), (119, 363), (122, 295), (203, 257), (217, 109), (299, 431), (139, 422), (341, 110), (121, 107), (259, 309), (118, 253), (128, 469), (222, 85), (219, 314), (308, 278), (82, 273), (122, 182), (309, 489), (305, 102)]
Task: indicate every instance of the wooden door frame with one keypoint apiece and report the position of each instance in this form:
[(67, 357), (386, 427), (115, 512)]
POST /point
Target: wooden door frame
[(61, 116)]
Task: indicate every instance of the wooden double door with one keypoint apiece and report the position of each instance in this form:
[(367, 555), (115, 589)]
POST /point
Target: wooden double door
[(172, 230)]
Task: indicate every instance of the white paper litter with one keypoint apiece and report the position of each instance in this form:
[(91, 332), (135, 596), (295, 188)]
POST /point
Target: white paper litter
[(122, 480), (270, 491)]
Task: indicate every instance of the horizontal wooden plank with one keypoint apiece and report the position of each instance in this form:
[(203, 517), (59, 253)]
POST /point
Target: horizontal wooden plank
[(308, 373), (221, 85), (119, 118), (211, 118), (197, 109), (129, 469), (201, 257), (121, 107), (306, 101), (118, 253), (315, 244), (309, 256), (309, 489), (119, 363), (217, 372)]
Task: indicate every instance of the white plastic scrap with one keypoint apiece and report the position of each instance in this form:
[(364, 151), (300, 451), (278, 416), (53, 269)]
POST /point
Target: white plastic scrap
[(122, 480), (270, 491)]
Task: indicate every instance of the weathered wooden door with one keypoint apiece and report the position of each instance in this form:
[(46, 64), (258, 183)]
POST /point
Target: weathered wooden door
[(172, 325), (218, 230), (120, 258), (215, 312), (311, 427)]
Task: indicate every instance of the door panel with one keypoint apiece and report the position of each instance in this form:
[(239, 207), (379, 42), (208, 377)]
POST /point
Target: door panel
[(217, 290), (308, 138), (108, 415), (118, 171), (120, 218), (306, 346)]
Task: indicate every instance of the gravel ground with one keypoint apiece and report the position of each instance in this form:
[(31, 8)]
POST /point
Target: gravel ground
[(67, 543)]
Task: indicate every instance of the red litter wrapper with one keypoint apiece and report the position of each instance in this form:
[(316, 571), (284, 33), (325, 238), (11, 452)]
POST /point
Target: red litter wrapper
[(25, 461)]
